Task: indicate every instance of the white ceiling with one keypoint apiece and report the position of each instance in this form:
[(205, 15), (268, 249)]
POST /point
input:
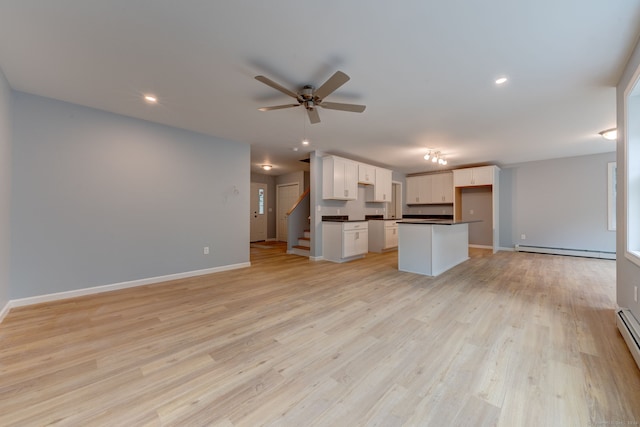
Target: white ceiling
[(424, 68)]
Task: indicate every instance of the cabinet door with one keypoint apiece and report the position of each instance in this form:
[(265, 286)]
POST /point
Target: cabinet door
[(419, 190), (382, 187), (463, 177), (339, 178), (483, 175), (390, 237), (413, 190), (442, 186), (350, 180), (366, 174), (354, 242), (426, 191)]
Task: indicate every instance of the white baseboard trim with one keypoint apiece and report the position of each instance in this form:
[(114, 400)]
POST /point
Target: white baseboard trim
[(481, 246), (501, 248), (122, 285), (316, 258), (5, 310)]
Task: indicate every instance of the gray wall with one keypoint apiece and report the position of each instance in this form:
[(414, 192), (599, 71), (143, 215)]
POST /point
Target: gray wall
[(477, 205), (99, 198), (628, 273), (271, 200), (5, 188), (558, 203)]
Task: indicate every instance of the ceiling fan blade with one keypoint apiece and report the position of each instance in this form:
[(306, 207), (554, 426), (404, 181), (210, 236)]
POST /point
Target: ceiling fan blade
[(276, 86), (314, 117), (338, 79), (278, 107), (343, 107)]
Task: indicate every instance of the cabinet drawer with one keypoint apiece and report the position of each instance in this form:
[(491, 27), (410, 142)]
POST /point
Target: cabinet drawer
[(349, 226)]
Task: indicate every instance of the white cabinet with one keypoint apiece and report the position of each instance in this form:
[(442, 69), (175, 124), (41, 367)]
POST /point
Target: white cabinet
[(381, 189), (344, 241), (383, 235), (419, 190), (366, 174), (487, 176), (430, 189), (442, 188), (474, 176), (339, 178)]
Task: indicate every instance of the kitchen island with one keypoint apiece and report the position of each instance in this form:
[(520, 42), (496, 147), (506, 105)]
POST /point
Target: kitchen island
[(432, 246)]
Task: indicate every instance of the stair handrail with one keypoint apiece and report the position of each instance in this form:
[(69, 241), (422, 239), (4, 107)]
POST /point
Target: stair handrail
[(302, 196)]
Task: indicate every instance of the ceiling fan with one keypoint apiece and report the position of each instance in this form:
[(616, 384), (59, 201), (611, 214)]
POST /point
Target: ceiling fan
[(310, 98)]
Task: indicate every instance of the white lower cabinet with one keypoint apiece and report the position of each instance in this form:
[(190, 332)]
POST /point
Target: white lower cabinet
[(383, 235), (344, 241)]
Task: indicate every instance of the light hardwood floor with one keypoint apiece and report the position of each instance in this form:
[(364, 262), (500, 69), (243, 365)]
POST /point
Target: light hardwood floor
[(510, 339)]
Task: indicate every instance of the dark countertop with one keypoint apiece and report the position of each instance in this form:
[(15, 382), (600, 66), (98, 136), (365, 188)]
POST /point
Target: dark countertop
[(344, 220), (435, 221), (384, 219)]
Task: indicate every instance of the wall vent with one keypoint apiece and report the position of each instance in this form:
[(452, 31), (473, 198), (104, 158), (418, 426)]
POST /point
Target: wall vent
[(565, 251), (630, 331)]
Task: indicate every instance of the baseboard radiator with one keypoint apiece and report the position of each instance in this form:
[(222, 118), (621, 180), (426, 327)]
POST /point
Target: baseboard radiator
[(564, 251), (630, 330)]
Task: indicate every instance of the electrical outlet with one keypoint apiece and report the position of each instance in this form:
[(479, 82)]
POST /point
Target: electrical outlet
[(206, 250), (523, 237), (338, 211), (470, 211)]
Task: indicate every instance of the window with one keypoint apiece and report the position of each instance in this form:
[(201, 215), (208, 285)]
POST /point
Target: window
[(261, 201)]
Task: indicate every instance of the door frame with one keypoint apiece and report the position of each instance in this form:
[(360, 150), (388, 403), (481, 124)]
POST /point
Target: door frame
[(278, 202)]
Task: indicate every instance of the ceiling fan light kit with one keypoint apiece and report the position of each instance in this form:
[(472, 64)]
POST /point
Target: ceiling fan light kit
[(310, 98)]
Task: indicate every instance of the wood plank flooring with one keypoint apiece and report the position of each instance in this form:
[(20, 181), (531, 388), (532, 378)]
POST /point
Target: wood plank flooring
[(510, 339)]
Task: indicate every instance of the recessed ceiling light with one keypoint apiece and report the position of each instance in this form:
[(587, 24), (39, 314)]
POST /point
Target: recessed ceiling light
[(501, 80), (151, 99), (609, 134), (267, 167), (305, 141)]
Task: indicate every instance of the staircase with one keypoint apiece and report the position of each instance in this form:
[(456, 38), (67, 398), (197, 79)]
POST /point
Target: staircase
[(303, 246)]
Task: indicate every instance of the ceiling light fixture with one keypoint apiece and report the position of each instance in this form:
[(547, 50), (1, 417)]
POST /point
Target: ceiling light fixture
[(267, 167), (435, 157), (501, 80), (609, 134), (305, 141), (151, 99)]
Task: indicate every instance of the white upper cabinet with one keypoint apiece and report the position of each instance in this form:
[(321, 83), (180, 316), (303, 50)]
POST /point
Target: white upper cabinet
[(430, 189), (442, 188), (419, 189), (474, 176), (339, 178), (366, 174), (381, 190)]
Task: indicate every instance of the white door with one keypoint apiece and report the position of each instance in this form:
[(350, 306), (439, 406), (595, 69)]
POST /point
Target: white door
[(258, 229), (287, 195)]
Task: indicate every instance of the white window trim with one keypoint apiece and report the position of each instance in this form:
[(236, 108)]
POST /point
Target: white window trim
[(632, 255), (611, 196)]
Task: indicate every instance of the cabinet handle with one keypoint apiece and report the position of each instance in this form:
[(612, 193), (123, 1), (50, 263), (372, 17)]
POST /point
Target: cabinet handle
[(346, 193), (417, 199), (384, 197), (357, 235)]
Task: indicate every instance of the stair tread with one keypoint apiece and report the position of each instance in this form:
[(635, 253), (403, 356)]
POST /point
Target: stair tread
[(304, 248)]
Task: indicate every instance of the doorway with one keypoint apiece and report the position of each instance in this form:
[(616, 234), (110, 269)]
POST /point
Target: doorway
[(287, 195), (394, 210), (258, 222)]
